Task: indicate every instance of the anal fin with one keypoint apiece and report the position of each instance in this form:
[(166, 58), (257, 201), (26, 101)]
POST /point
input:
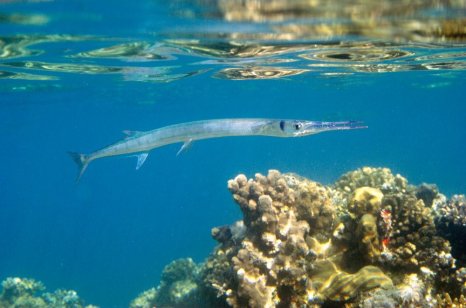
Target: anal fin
[(186, 146), (141, 159)]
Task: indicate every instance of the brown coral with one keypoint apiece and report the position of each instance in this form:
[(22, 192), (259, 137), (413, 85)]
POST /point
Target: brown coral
[(411, 240), (365, 200), (302, 244), (415, 242), (368, 236), (289, 256), (450, 219), (380, 178)]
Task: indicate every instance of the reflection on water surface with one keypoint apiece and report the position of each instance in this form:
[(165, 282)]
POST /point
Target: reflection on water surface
[(242, 40)]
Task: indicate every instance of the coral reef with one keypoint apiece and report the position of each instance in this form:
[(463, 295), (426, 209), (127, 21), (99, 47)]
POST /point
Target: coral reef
[(414, 242), (289, 254), (411, 292), (177, 288), (450, 218), (369, 240), (145, 300), (18, 292), (177, 283), (381, 178), (408, 237), (23, 292), (445, 301), (286, 251), (63, 298)]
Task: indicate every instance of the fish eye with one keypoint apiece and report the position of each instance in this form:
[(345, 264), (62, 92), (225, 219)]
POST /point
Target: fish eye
[(298, 126)]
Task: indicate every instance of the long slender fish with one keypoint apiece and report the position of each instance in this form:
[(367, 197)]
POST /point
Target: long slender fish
[(140, 143)]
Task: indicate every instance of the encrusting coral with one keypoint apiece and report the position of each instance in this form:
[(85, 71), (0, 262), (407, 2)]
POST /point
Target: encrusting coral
[(23, 292), (370, 239)]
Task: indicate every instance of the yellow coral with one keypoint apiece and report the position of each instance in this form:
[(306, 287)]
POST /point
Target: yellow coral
[(336, 285), (445, 301), (365, 200), (368, 236)]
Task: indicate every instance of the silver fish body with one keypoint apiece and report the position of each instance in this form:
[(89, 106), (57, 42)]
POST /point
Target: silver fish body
[(143, 142)]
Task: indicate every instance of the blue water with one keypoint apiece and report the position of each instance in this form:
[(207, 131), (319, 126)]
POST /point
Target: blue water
[(109, 236)]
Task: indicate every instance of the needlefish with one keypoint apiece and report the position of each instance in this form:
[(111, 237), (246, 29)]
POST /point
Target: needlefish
[(140, 143)]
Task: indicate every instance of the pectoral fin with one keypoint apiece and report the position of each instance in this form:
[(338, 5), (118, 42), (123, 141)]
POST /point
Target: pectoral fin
[(186, 146), (141, 159)]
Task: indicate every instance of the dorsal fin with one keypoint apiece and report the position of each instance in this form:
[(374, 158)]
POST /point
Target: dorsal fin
[(132, 133)]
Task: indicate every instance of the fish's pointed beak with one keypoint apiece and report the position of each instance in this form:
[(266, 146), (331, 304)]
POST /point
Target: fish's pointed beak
[(314, 127)]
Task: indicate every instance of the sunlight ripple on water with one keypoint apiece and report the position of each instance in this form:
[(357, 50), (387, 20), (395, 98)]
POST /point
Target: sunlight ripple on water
[(277, 39)]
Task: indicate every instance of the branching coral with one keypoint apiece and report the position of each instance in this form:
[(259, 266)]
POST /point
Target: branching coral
[(445, 301)]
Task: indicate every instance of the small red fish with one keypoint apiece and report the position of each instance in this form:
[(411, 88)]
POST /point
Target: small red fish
[(385, 214), (385, 241)]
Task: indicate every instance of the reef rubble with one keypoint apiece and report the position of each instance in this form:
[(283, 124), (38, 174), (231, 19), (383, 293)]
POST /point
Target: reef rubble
[(369, 240)]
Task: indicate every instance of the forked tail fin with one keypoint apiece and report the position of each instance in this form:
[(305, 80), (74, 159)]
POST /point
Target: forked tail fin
[(82, 161)]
